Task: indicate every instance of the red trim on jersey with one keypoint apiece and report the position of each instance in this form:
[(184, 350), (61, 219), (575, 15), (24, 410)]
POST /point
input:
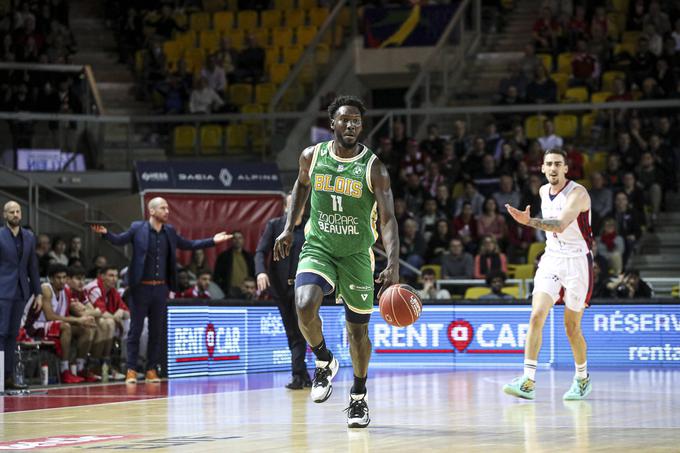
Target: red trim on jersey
[(584, 225), (590, 278), (560, 300), (552, 197)]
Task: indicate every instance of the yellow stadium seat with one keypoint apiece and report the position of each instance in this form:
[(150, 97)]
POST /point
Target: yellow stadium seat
[(564, 63), (291, 54), (547, 61), (308, 73), (282, 36), (237, 38), (186, 40), (264, 92), (600, 97), (181, 19), (247, 19), (211, 6), (533, 126), (293, 96), (184, 139), (294, 18), (587, 121), (576, 94), (629, 47), (194, 59), (223, 20), (199, 21), (305, 35), (172, 51), (511, 291), (631, 36), (317, 16), (241, 94), (436, 268), (272, 55), (209, 40), (261, 35), (323, 54), (476, 292), (307, 4), (535, 249), (270, 18), (278, 72), (562, 82), (211, 139), (609, 77), (566, 125), (284, 4), (599, 161), (252, 108), (237, 138), (524, 271)]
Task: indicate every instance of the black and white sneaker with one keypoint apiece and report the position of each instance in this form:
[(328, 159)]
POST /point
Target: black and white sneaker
[(323, 375), (357, 412)]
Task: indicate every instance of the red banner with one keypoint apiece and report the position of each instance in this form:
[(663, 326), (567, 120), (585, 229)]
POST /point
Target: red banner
[(198, 216)]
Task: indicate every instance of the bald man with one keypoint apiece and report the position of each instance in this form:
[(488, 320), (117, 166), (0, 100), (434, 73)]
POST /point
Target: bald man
[(152, 275), (19, 280)]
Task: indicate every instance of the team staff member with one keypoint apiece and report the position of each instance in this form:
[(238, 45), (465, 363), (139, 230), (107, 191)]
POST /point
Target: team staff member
[(19, 280), (152, 274), (276, 280)]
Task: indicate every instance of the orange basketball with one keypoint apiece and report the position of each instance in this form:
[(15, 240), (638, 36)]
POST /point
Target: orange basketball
[(400, 306)]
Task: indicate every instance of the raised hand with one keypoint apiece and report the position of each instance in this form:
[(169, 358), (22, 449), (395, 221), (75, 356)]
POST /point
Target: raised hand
[(101, 229), (221, 237), (520, 216)]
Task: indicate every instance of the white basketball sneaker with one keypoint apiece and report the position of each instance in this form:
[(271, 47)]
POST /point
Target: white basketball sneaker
[(357, 412), (323, 375)]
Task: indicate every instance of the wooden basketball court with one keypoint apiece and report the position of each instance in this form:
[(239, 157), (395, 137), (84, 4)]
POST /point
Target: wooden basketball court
[(410, 410)]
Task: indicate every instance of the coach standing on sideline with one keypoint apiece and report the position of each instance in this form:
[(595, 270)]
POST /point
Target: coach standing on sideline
[(152, 274), (19, 280), (280, 272)]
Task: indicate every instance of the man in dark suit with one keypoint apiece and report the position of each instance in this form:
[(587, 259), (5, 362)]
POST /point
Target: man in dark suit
[(233, 266), (276, 280), (19, 280), (152, 275)]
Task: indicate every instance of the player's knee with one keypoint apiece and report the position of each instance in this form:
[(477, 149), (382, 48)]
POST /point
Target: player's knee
[(305, 306), (65, 330), (573, 329), (538, 318), (357, 333)]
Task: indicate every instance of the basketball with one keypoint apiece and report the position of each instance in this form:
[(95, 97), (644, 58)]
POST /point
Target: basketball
[(400, 306)]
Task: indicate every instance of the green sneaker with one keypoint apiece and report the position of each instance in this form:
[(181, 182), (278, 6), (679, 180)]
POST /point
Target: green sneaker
[(579, 389), (521, 387)]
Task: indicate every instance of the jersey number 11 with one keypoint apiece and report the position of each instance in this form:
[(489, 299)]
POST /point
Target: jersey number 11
[(337, 203)]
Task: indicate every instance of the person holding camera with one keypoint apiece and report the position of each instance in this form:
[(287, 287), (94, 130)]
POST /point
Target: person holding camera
[(629, 285)]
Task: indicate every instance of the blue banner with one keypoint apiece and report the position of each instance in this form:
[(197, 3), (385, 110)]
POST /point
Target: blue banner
[(228, 340), (406, 27), (212, 176)]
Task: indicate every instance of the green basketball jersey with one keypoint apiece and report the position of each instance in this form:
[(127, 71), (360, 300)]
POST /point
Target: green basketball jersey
[(344, 212)]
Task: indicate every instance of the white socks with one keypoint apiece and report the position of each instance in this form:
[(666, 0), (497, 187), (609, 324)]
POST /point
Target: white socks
[(63, 365), (80, 364), (530, 368), (582, 370)]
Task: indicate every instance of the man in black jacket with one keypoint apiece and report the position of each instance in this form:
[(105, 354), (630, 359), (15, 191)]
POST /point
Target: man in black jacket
[(276, 280), (233, 266)]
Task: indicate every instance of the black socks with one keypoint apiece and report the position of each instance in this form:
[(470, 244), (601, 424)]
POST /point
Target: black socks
[(321, 352), (359, 386)]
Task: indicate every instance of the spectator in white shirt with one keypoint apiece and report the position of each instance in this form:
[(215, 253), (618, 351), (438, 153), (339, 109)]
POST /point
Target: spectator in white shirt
[(550, 139), (214, 74), (429, 290), (203, 98)]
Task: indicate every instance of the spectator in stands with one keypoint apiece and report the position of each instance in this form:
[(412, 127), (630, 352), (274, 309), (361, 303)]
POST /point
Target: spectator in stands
[(429, 218), (657, 18), (214, 75), (665, 158), (654, 38), (642, 62), (600, 281), (58, 252), (631, 188), (204, 99), (629, 285), (154, 66), (585, 67), (174, 93), (412, 248), (465, 227), (507, 194), (636, 16), (598, 258), (414, 193), (233, 266), (165, 25), (601, 198), (399, 137), (472, 161), (389, 157), (496, 281), (445, 203), (250, 66), (509, 158), (450, 165), (198, 263), (650, 178), (99, 262), (636, 133), (550, 139), (54, 323), (183, 280), (620, 92), (227, 58), (247, 290), (629, 223), (531, 196), (578, 26), (414, 162), (600, 45), (492, 138), (429, 290), (629, 152), (438, 242), (669, 137), (433, 178), (650, 90), (75, 250), (542, 90), (201, 290), (401, 212), (470, 195), (517, 77), (611, 245), (545, 31), (462, 142), (491, 223), (489, 259), (457, 263), (520, 238), (574, 161), (613, 173), (433, 145), (534, 158)]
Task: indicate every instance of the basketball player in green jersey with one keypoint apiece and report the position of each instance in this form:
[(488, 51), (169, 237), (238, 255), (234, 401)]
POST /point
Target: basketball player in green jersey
[(350, 190)]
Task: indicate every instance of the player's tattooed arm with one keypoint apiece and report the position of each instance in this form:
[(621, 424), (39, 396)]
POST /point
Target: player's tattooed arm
[(552, 225), (578, 201)]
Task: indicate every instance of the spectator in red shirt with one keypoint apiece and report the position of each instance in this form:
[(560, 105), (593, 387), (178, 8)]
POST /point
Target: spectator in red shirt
[(200, 289), (464, 227), (620, 93), (585, 68), (574, 162), (415, 161), (545, 30), (578, 26)]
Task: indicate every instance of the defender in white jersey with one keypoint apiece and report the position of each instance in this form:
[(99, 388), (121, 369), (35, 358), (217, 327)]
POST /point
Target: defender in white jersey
[(565, 272)]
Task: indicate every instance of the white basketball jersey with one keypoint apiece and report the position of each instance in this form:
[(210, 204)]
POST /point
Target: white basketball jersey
[(59, 307), (577, 238)]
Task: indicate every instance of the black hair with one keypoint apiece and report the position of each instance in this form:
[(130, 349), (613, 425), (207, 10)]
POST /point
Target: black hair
[(74, 271), (492, 275), (341, 100), (203, 272), (108, 267), (427, 271), (56, 240), (56, 268), (559, 151)]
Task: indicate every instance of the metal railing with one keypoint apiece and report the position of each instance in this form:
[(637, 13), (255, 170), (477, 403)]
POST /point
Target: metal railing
[(469, 282)]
